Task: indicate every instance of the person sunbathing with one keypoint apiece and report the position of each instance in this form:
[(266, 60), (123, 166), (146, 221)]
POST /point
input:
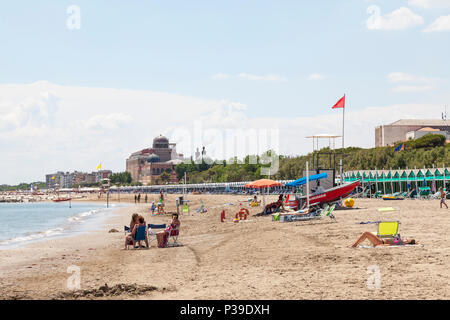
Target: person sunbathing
[(130, 237), (376, 241)]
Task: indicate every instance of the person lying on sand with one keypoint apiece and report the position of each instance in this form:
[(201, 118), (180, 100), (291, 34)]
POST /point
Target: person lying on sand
[(130, 237), (376, 241)]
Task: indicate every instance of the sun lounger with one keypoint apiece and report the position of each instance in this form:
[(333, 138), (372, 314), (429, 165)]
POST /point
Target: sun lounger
[(377, 194), (326, 212)]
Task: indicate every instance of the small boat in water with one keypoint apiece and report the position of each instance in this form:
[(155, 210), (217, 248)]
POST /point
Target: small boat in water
[(61, 199)]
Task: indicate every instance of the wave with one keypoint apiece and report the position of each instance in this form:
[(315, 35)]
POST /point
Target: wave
[(73, 220), (34, 236)]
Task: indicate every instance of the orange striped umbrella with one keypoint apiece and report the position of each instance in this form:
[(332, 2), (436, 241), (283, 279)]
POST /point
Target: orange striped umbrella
[(263, 183)]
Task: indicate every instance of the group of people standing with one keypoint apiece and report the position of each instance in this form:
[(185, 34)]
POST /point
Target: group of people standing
[(137, 198)]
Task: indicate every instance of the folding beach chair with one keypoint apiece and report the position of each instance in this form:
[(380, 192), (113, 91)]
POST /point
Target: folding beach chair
[(326, 212), (388, 229), (151, 231), (139, 236), (185, 209), (173, 234), (126, 229)]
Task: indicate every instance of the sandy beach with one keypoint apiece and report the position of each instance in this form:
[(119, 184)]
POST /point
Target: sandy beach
[(256, 259)]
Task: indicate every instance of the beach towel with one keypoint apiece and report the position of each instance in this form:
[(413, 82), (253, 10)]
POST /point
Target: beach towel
[(395, 246)]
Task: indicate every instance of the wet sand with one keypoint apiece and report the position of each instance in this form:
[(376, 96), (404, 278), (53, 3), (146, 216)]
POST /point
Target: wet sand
[(256, 259)]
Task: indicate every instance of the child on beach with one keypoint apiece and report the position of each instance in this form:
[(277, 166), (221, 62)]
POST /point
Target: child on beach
[(442, 198), (153, 207)]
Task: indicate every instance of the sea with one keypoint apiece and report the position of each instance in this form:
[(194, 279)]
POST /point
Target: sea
[(22, 223)]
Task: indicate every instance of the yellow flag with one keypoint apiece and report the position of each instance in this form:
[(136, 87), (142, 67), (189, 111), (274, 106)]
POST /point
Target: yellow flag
[(99, 166)]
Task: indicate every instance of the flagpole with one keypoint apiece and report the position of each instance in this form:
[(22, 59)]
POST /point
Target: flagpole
[(342, 155)]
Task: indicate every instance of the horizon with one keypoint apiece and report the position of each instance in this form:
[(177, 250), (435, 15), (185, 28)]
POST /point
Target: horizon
[(85, 83)]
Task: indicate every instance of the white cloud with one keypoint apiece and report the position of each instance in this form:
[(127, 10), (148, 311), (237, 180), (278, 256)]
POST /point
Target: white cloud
[(412, 88), (428, 4), (111, 121), (400, 19), (410, 83), (37, 111), (396, 77), (269, 77), (220, 76), (316, 76), (130, 119), (440, 24)]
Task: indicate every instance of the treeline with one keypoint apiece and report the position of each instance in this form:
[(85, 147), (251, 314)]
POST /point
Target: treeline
[(23, 186), (426, 151)]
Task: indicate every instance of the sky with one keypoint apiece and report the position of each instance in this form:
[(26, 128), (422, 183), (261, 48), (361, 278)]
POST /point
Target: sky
[(89, 82)]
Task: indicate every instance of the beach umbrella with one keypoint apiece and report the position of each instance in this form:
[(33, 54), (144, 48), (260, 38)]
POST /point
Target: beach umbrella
[(261, 184)]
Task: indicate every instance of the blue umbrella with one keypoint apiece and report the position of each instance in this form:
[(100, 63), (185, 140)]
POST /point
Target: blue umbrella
[(302, 181)]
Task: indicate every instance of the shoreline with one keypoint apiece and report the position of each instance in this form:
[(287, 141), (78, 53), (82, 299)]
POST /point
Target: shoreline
[(258, 259), (74, 225)]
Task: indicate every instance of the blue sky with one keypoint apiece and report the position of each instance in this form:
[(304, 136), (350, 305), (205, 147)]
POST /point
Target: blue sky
[(281, 59)]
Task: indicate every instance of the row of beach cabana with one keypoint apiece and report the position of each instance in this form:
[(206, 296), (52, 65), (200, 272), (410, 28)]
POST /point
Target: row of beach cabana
[(400, 180)]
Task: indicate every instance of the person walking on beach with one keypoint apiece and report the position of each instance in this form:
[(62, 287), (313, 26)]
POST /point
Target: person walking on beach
[(442, 198), (139, 198), (146, 198), (135, 198)]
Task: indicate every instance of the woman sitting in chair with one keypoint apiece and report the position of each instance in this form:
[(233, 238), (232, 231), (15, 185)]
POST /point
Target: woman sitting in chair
[(376, 241), (141, 223), (163, 236), (130, 237)]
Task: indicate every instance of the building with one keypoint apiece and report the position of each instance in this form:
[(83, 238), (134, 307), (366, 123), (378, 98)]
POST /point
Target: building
[(401, 130), (412, 135), (62, 179), (147, 165)]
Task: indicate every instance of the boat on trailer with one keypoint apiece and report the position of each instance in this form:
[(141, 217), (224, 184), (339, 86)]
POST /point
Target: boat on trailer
[(331, 195)]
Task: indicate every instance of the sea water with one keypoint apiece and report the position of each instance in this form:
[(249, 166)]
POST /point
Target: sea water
[(22, 223)]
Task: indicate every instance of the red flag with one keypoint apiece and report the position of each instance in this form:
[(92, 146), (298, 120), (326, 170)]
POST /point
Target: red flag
[(340, 103)]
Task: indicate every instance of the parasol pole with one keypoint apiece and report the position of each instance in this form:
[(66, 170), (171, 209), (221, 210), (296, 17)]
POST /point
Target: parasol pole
[(307, 185)]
